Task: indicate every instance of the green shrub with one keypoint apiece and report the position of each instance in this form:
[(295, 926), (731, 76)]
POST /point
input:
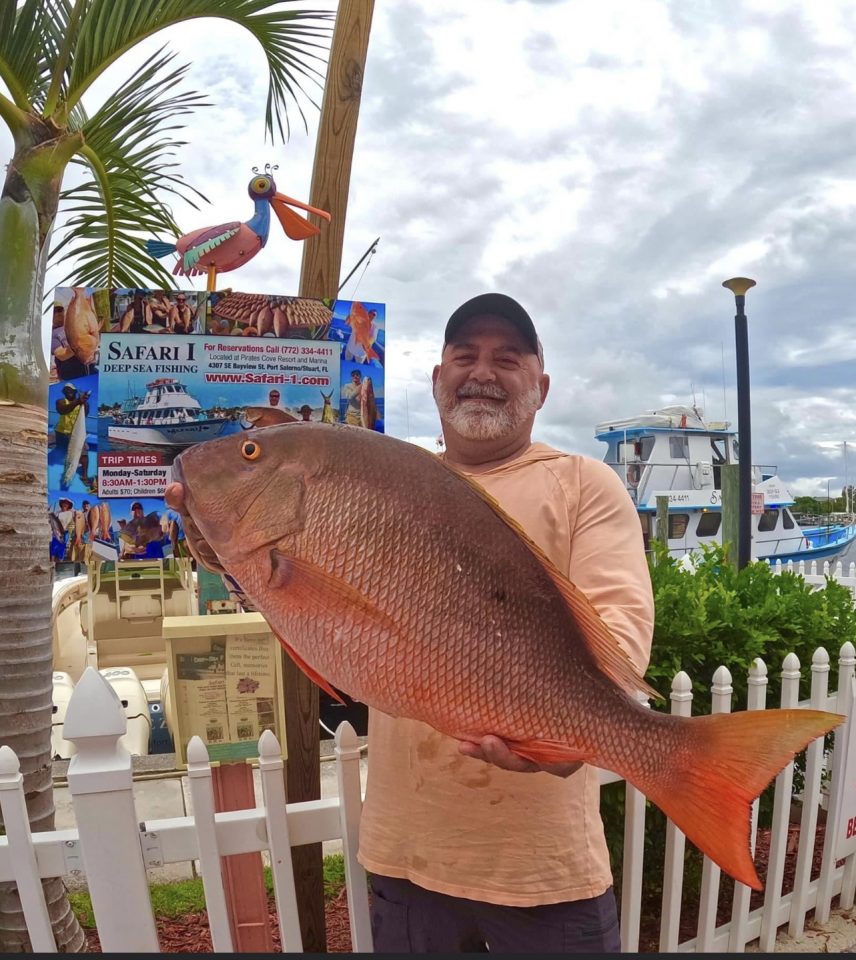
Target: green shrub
[(716, 616)]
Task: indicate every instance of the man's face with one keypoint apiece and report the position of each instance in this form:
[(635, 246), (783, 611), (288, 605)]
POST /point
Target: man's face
[(58, 316), (136, 510), (273, 397), (489, 384), (70, 393), (181, 300)]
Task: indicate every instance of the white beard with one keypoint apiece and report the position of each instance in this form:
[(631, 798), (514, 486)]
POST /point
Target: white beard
[(482, 419)]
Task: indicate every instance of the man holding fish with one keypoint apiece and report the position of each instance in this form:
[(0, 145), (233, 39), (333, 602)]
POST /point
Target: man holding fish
[(464, 854), (71, 405), (493, 605)]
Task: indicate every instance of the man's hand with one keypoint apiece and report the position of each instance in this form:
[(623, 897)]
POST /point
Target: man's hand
[(494, 750)]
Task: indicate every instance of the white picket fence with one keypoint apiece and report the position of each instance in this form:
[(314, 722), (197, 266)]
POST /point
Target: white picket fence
[(816, 573), (114, 850)]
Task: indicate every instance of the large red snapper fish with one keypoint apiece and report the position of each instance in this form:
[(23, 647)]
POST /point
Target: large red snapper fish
[(393, 578)]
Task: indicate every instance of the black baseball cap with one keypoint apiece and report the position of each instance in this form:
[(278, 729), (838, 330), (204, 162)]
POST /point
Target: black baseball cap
[(499, 305)]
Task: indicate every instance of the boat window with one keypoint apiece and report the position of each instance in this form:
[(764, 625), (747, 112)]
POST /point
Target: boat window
[(767, 521), (787, 519), (638, 449), (679, 448), (718, 450), (678, 523), (708, 524)]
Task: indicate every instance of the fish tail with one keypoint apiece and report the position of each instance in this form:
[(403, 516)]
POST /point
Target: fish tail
[(707, 789), (159, 248)]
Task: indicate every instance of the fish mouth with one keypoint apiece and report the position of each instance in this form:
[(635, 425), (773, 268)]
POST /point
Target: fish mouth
[(178, 497)]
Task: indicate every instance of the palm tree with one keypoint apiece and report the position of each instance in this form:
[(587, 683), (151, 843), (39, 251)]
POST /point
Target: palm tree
[(51, 52)]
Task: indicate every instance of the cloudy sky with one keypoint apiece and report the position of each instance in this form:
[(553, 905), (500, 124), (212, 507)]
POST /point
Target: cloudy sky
[(607, 163)]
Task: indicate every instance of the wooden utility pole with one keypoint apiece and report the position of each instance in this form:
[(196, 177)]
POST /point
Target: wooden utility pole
[(331, 173), (662, 531), (731, 493), (319, 277)]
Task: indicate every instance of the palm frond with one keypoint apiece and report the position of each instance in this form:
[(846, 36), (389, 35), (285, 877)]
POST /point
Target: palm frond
[(31, 37), (289, 40), (129, 143)]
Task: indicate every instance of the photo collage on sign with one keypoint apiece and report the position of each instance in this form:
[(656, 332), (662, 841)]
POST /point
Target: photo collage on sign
[(138, 375)]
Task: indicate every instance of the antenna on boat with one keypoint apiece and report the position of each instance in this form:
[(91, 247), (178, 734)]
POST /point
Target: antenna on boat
[(724, 404)]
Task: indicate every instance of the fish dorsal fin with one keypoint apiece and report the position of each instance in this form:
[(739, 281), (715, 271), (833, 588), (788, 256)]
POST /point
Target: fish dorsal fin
[(610, 658)]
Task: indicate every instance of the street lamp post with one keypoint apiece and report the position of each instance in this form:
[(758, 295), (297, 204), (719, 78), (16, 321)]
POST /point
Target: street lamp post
[(738, 286)]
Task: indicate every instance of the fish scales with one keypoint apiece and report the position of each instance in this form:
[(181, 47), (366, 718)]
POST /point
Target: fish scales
[(479, 586)]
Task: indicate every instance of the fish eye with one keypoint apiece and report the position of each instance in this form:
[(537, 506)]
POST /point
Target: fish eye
[(250, 450), (261, 183)]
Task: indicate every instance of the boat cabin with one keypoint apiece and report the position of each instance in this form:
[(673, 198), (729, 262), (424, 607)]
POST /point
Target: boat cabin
[(674, 452)]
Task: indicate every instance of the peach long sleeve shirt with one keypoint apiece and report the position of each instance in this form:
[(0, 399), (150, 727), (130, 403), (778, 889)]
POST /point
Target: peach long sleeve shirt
[(459, 826)]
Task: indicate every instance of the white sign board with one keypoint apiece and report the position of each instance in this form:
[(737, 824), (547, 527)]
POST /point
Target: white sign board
[(843, 800), (689, 498)]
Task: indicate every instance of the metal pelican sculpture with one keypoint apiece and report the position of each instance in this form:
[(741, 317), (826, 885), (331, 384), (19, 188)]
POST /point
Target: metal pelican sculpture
[(213, 250)]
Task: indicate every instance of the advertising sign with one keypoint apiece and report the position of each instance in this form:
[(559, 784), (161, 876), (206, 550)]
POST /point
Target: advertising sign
[(224, 683), (843, 800), (138, 375)]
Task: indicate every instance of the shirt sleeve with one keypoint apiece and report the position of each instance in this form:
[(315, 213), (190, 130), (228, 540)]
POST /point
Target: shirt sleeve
[(608, 560)]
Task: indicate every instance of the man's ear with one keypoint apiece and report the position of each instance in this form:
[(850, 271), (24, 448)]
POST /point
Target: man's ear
[(435, 374), (545, 387)]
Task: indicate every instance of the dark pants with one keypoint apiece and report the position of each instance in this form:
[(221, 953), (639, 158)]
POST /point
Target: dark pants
[(407, 918)]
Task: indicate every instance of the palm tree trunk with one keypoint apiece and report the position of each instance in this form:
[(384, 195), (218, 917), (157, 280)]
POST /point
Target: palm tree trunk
[(27, 209)]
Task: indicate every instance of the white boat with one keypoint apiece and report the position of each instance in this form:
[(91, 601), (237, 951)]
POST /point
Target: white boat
[(674, 452), (167, 416)]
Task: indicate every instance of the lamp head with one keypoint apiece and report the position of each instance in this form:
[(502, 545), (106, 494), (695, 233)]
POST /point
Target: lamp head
[(738, 285)]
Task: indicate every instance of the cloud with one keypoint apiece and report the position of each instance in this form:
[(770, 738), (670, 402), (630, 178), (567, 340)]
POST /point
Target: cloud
[(609, 164)]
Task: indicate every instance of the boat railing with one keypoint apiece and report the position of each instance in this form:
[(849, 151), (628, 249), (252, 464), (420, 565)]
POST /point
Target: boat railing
[(625, 468)]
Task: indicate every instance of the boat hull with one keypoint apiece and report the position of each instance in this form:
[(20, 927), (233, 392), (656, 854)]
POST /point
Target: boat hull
[(167, 435)]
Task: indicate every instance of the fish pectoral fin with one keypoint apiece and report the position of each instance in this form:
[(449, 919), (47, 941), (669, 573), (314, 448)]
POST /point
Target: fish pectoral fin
[(546, 751), (313, 675), (608, 655), (308, 586)]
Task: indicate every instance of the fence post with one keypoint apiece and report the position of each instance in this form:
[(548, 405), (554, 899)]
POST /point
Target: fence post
[(846, 667), (811, 796), (100, 783), (200, 782), (756, 700), (673, 863), (16, 824), (632, 863), (271, 773), (721, 692), (347, 749), (781, 819)]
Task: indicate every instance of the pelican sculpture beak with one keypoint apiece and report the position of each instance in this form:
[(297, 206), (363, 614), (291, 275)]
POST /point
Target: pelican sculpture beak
[(295, 226)]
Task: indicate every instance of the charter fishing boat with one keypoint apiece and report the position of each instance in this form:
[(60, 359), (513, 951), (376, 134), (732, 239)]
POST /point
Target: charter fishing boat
[(167, 416), (675, 452)]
